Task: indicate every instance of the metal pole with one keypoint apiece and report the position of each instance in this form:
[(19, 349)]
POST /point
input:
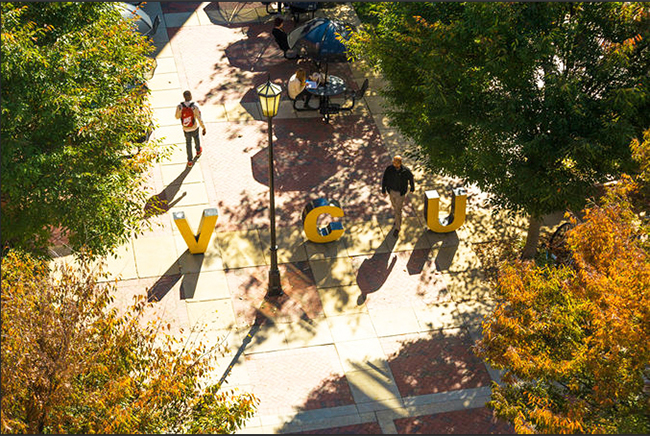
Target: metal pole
[(275, 289)]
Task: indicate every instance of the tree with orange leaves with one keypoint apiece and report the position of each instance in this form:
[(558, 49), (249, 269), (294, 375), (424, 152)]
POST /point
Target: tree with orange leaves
[(573, 340), (71, 363)]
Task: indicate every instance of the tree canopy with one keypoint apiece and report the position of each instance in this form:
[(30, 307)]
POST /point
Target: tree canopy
[(533, 102), (73, 363), (573, 339), (74, 112)]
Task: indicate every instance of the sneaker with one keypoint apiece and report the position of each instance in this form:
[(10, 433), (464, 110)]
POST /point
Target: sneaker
[(198, 153), (190, 163)]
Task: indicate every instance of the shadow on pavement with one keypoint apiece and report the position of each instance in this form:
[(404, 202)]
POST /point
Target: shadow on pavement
[(447, 250), (190, 280), (163, 201), (253, 54), (260, 320), (374, 271), (419, 256), (300, 299), (164, 284), (190, 265)]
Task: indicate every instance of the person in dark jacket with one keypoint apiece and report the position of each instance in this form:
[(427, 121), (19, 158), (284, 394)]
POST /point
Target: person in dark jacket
[(396, 181), (281, 38)]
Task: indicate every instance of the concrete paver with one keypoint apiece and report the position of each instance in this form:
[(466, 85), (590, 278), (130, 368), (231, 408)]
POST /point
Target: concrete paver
[(364, 238), (121, 266), (333, 272), (373, 333), (341, 299), (334, 249), (241, 249), (290, 242), (155, 256), (351, 327), (315, 331), (207, 285)]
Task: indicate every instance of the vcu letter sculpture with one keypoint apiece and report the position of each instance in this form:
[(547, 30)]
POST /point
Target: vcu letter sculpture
[(199, 243), (314, 209), (310, 214), (454, 220)]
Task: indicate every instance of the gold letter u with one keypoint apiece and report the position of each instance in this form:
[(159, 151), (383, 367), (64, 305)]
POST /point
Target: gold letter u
[(455, 219)]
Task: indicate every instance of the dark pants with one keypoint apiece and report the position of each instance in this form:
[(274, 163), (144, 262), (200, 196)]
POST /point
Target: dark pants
[(304, 94), (188, 142)]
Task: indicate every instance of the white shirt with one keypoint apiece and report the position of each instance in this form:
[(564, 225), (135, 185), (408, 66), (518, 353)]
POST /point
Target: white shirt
[(294, 87)]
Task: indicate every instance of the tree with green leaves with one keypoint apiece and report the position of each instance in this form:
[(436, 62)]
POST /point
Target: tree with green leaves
[(74, 112), (534, 102), (74, 362), (573, 339)]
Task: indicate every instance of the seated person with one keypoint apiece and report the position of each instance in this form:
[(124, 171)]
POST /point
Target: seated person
[(297, 87), (281, 38), (317, 77)]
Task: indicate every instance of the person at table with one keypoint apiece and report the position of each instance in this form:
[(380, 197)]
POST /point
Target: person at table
[(297, 88), (317, 77)]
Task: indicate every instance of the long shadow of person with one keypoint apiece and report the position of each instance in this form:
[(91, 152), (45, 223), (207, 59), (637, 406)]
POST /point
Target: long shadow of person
[(163, 201), (374, 271)]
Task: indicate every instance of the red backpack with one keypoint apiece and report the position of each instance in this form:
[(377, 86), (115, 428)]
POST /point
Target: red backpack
[(187, 115)]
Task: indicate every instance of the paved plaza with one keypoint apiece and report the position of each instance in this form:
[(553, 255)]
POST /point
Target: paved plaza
[(373, 334)]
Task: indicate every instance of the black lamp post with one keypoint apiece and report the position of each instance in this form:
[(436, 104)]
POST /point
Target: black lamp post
[(269, 95)]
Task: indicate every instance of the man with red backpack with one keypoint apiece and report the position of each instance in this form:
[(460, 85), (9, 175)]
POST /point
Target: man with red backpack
[(190, 115)]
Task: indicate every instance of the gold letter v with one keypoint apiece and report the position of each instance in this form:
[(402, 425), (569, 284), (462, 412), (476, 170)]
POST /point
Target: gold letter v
[(197, 244)]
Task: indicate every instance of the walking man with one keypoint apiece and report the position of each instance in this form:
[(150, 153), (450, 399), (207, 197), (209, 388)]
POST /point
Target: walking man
[(396, 181), (190, 115)]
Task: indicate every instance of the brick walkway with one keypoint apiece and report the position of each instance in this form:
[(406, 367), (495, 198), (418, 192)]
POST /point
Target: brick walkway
[(373, 334)]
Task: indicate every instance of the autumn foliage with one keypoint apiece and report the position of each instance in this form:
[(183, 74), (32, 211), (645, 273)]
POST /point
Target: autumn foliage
[(573, 340), (73, 363)]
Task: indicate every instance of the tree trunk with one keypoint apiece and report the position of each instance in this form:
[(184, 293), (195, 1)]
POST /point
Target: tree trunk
[(532, 238)]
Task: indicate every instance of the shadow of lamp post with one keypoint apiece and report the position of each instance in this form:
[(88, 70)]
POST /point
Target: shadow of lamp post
[(269, 95)]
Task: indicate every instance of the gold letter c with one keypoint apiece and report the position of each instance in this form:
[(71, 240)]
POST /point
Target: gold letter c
[(310, 215)]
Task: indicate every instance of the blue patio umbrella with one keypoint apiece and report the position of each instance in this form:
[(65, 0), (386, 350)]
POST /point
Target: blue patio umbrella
[(320, 38)]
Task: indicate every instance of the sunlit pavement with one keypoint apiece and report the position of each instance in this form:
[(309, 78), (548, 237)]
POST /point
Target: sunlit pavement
[(373, 334)]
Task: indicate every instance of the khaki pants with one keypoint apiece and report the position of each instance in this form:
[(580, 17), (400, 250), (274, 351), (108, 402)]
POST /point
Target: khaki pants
[(397, 201)]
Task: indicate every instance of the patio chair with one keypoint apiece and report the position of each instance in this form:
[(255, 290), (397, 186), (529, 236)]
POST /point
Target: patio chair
[(353, 96), (300, 108)]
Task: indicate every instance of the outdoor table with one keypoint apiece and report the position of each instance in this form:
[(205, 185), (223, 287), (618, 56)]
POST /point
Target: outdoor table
[(334, 86)]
